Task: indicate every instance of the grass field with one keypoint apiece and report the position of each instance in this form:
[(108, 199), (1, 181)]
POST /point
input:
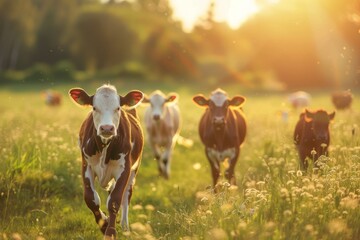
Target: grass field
[(41, 188)]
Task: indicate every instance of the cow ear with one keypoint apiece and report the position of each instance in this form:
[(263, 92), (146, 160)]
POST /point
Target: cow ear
[(132, 99), (81, 97), (308, 115), (172, 97), (331, 115), (237, 101), (146, 99), (201, 100)]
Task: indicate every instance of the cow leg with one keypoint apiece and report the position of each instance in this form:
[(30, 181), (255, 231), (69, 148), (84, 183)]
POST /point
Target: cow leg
[(126, 201), (92, 198), (303, 160), (114, 200), (215, 167), (230, 172), (156, 151), (166, 157)]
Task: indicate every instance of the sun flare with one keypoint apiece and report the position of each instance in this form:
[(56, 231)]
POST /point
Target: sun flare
[(240, 11), (233, 12)]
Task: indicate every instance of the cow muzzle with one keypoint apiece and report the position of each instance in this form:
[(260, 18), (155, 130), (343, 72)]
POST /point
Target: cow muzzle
[(219, 123), (107, 131), (322, 138)]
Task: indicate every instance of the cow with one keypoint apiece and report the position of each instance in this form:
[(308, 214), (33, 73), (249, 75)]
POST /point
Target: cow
[(162, 122), (222, 130), (312, 135), (342, 99), (52, 98), (111, 143), (299, 99)]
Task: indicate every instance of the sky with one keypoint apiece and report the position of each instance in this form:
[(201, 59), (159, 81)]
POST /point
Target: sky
[(234, 12)]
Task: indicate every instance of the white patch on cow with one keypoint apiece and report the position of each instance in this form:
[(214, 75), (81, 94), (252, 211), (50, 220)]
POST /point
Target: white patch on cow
[(218, 97), (103, 156), (89, 175), (125, 202), (106, 102), (220, 156), (120, 166), (106, 172)]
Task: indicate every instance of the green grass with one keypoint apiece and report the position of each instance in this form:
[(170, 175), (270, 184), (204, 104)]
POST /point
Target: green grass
[(41, 188)]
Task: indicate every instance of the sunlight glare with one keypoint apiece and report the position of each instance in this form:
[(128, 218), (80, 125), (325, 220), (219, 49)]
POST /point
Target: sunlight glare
[(240, 11), (233, 12)]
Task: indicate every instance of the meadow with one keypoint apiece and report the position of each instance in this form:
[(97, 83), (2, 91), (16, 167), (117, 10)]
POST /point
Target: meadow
[(41, 188)]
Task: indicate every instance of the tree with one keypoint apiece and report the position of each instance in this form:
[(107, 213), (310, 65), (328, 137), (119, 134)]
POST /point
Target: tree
[(101, 38), (51, 40), (170, 52), (17, 31)]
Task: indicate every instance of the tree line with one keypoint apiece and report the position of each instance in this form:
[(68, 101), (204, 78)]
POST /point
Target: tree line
[(294, 43)]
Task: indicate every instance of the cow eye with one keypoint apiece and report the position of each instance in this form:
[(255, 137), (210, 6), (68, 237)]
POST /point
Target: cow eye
[(94, 108), (118, 109)]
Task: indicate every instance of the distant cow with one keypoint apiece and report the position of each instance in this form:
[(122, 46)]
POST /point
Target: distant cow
[(111, 143), (312, 135), (162, 121), (342, 99), (52, 98), (222, 130), (299, 99)]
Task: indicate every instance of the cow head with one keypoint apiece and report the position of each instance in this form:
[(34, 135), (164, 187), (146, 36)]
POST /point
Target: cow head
[(218, 105), (320, 121), (106, 104), (158, 101)]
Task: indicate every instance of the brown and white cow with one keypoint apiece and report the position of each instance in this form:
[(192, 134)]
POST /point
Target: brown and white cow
[(299, 99), (162, 121), (222, 130), (52, 98), (312, 135), (111, 143)]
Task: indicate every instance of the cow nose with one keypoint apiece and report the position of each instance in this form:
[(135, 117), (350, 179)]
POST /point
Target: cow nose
[(322, 138), (219, 120), (156, 117), (107, 129)]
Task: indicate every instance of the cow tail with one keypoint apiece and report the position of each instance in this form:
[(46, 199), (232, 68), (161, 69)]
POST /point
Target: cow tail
[(186, 142)]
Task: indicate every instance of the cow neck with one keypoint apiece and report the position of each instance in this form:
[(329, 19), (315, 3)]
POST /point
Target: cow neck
[(219, 139), (308, 133), (109, 147), (160, 128)]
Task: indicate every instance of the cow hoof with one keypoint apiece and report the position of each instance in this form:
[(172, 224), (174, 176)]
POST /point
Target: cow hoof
[(110, 233), (103, 225), (109, 238), (166, 175)]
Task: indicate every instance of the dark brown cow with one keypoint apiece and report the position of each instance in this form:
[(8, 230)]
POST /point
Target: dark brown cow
[(312, 135), (111, 143), (342, 99), (222, 130)]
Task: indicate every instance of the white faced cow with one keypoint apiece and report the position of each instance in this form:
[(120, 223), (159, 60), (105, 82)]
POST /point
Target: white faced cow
[(111, 143), (162, 121), (299, 99), (222, 130)]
